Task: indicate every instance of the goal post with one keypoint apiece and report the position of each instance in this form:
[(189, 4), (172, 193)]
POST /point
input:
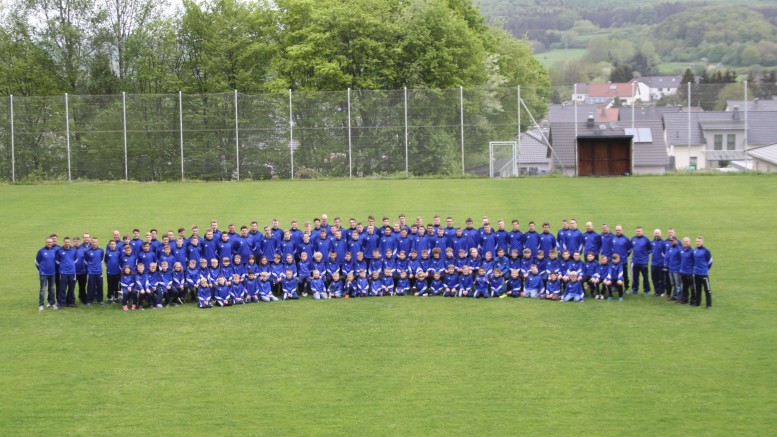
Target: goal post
[(502, 155)]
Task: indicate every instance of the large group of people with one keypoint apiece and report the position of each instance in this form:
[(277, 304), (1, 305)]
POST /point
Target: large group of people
[(324, 261)]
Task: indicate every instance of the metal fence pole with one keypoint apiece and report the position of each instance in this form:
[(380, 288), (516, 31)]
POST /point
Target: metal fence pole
[(291, 135), (407, 157), (461, 104), (518, 146), (746, 124), (350, 161), (124, 119), (576, 123), (237, 142), (13, 155), (689, 128), (180, 127), (67, 135), (633, 104)]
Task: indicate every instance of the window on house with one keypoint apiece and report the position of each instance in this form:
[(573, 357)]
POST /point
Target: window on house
[(731, 142), (719, 142)]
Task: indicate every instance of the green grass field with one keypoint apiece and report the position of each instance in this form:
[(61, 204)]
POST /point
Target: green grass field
[(559, 56), (397, 366)]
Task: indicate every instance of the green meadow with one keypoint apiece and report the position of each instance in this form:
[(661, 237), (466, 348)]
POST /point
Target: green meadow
[(397, 365)]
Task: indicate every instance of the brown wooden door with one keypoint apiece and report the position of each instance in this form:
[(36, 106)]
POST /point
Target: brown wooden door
[(604, 156)]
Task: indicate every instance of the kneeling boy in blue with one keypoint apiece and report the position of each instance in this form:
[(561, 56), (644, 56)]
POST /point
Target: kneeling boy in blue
[(514, 285), (574, 289), (497, 283), (420, 287), (265, 288), (335, 288), (533, 286), (289, 286), (388, 282), (204, 294), (317, 286), (361, 285), (436, 286), (465, 282), (223, 295), (553, 287), (481, 283), (403, 284), (450, 285), (251, 285), (237, 290)]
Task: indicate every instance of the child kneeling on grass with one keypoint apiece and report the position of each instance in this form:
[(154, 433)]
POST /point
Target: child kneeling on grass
[(533, 286), (553, 288), (204, 294), (574, 289)]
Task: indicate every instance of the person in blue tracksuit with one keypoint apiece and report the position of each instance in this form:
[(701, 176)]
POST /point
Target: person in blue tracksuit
[(265, 288), (146, 256), (573, 290), (597, 280), (672, 264), (113, 266), (94, 267), (376, 284), (164, 287), (128, 293), (237, 291), (251, 285), (514, 284), (622, 246), (686, 271), (553, 287), (702, 263), (607, 240), (531, 239), (614, 280), (361, 284), (317, 287), (466, 282), (436, 285), (223, 295), (421, 287), (191, 280), (142, 286), (403, 284), (451, 282), (204, 294), (179, 284), (289, 287), (562, 234), (46, 265), (657, 256), (592, 242), (303, 274), (497, 283), (481, 284), (590, 267), (533, 286), (575, 241), (335, 288), (388, 282), (66, 258)]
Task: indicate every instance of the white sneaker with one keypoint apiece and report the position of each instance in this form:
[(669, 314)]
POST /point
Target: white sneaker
[(54, 307), (159, 305), (40, 308)]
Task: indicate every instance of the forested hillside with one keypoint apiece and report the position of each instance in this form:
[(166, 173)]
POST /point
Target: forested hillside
[(650, 36)]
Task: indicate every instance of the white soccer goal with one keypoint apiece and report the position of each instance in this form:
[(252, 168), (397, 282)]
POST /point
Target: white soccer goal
[(503, 158)]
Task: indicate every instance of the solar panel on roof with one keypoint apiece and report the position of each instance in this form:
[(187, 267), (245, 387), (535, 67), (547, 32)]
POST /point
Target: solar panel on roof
[(640, 135)]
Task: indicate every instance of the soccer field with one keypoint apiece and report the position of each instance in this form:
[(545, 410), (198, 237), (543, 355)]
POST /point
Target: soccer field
[(397, 365)]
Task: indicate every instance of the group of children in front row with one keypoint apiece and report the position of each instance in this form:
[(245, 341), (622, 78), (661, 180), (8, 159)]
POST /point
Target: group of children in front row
[(468, 275)]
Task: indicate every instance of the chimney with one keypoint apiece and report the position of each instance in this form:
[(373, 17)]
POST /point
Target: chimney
[(735, 114), (590, 121)]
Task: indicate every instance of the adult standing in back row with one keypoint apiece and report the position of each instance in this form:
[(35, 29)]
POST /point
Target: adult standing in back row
[(702, 262), (45, 263), (641, 248)]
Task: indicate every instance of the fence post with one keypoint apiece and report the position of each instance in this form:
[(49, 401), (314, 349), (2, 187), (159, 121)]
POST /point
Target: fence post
[(689, 128), (746, 124), (633, 104), (124, 120), (13, 155), (180, 127), (461, 104), (407, 157), (350, 160), (576, 126), (516, 153), (291, 135), (67, 139), (237, 142)]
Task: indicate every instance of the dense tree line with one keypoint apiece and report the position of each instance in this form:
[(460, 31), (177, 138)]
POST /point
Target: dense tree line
[(317, 48)]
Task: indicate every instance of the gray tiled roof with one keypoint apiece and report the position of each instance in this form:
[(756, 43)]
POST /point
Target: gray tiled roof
[(765, 153), (762, 126), (661, 81), (752, 105), (566, 113)]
